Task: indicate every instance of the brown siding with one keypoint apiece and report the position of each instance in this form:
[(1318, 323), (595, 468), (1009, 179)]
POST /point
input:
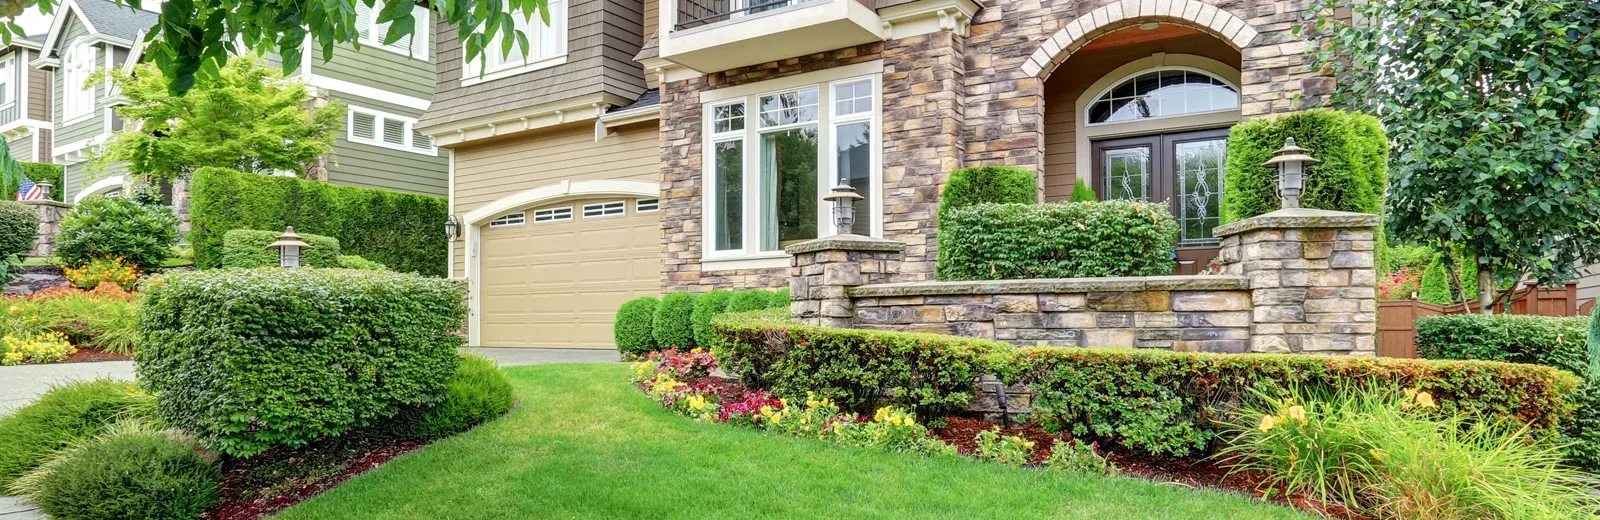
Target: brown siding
[(1076, 75), (602, 38), (38, 91), (652, 22), (505, 166)]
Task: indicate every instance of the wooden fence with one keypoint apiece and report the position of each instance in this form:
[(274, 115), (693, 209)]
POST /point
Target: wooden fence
[(1397, 320)]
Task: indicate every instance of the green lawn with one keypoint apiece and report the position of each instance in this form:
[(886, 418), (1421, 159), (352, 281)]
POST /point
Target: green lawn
[(583, 444)]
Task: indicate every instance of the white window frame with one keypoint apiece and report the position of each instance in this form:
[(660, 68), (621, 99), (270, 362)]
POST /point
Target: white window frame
[(509, 220), (556, 33), (552, 215), (607, 209), (407, 132), (1238, 94), (421, 28), (8, 82), (78, 64), (639, 205), (750, 255)]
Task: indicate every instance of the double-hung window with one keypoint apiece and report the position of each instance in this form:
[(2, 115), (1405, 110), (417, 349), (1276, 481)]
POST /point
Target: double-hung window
[(78, 98), (372, 32), (8, 74), (387, 130), (771, 156), (547, 47)]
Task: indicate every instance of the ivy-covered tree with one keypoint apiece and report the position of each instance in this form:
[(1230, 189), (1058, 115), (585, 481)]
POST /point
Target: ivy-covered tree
[(1493, 110), (195, 38), (248, 118)]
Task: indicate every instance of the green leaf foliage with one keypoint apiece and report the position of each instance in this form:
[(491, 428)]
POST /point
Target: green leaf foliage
[(1435, 287), (400, 230), (477, 393), (117, 227), (706, 307), (1063, 240), (248, 359), (54, 174), (1159, 402), (248, 248), (1493, 109), (355, 262), (633, 331), (130, 472), (19, 228), (1351, 176), (1082, 193), (63, 415), (997, 184), (672, 324), (1563, 343), (751, 300)]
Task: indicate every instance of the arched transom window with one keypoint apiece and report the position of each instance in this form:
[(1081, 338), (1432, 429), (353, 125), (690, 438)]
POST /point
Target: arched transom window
[(1163, 93)]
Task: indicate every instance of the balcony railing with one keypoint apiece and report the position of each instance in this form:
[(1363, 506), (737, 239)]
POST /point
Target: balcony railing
[(695, 13)]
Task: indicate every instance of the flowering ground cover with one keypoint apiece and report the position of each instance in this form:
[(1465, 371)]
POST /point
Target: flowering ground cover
[(584, 444)]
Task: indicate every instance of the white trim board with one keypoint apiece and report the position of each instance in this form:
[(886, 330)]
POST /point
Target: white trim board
[(373, 93), (100, 186)]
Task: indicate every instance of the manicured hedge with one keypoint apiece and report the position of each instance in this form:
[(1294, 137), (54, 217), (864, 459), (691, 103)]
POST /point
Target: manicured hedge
[(1064, 240), (249, 359), (1352, 147), (19, 229), (402, 231), (1540, 340), (706, 307), (671, 325), (248, 248), (1160, 402), (861, 370), (996, 184), (634, 331), (752, 300), (54, 174)]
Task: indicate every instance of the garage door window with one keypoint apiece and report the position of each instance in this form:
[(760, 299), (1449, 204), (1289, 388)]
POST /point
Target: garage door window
[(647, 205), (604, 209), (514, 219), (552, 215)]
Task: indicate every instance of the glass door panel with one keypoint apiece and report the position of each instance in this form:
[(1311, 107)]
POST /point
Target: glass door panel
[(1198, 204)]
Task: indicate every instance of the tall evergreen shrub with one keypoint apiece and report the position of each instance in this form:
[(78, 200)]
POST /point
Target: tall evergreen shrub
[(1082, 193), (1435, 284), (1351, 177), (968, 186)]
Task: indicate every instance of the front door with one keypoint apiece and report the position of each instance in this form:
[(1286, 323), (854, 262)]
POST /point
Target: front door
[(1184, 169)]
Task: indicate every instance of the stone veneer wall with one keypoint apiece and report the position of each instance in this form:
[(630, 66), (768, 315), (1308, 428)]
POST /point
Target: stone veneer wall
[(50, 214)]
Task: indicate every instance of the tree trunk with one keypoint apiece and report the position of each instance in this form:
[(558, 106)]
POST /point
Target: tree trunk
[(1485, 291)]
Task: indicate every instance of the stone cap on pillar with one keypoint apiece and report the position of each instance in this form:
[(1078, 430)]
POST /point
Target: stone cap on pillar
[(846, 242), (1300, 218), (45, 202)]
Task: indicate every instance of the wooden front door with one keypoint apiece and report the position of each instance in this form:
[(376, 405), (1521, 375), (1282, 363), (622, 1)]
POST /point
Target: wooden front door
[(1183, 169)]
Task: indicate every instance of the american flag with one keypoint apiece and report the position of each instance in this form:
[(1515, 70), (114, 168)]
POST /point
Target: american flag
[(27, 190)]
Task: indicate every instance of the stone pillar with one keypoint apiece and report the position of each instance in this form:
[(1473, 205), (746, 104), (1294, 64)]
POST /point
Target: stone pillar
[(823, 271), (924, 99), (1311, 277), (50, 214)]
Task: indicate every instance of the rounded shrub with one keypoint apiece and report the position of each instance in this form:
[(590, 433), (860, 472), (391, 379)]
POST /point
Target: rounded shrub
[(672, 325), (707, 306), (477, 393), (63, 415), (968, 186), (633, 328), (133, 471), (751, 300), (19, 228), (117, 227), (248, 248)]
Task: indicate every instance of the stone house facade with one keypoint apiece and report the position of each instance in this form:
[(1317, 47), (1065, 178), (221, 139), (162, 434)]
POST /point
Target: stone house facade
[(1102, 91)]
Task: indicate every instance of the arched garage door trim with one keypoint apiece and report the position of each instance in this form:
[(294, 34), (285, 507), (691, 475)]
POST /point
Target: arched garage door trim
[(546, 194)]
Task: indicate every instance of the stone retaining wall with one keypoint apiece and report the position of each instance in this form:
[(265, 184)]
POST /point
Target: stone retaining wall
[(50, 214)]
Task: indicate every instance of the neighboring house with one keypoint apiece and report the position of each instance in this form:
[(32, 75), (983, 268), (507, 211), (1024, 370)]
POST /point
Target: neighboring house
[(25, 101), (765, 106), (386, 88), (555, 172), (1588, 285)]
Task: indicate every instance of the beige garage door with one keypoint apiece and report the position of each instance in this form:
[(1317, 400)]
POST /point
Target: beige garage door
[(553, 276)]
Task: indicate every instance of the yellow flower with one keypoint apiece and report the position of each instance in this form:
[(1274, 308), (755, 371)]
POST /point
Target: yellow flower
[(1425, 400), (697, 402), (1267, 423), (15, 310), (882, 413), (766, 410), (1297, 413), (1378, 454)]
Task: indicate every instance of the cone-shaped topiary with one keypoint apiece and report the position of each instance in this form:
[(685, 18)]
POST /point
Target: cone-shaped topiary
[(752, 300), (1082, 193), (632, 331), (968, 186), (1435, 285), (672, 326), (707, 306)]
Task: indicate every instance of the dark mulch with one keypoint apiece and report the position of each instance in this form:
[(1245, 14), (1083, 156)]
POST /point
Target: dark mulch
[(962, 432), (273, 481), (88, 355)]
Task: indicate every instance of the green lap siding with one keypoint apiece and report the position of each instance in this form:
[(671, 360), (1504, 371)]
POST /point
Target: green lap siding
[(22, 149), (372, 166)]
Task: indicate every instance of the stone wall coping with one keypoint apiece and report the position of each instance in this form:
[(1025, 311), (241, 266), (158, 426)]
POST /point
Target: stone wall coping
[(846, 243), (45, 203), (1300, 218), (1056, 285)]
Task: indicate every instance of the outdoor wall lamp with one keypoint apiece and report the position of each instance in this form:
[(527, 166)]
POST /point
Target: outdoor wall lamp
[(452, 229), (289, 245), (844, 200), (1290, 161)]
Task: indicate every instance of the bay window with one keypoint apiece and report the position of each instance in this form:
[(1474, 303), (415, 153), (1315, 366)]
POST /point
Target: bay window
[(771, 156)]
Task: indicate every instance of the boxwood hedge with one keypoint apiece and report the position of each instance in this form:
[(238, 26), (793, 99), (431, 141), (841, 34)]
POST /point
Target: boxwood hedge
[(634, 331), (249, 359), (248, 248), (1063, 240), (400, 230)]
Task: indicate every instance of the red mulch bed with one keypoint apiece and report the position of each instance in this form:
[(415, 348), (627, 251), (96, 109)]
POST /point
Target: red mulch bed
[(273, 481), (1190, 473), (89, 355)]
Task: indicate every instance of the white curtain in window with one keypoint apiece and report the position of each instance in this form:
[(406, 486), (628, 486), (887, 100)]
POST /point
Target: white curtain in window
[(769, 192)]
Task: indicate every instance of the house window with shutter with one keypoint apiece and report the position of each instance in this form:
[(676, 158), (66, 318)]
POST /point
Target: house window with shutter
[(372, 32), (547, 47), (386, 130)]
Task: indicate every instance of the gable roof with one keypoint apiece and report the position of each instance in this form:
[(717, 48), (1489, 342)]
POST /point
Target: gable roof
[(119, 25)]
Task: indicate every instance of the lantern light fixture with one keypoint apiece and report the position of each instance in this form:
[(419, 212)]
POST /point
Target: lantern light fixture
[(1290, 161), (289, 245), (843, 197), (452, 228)]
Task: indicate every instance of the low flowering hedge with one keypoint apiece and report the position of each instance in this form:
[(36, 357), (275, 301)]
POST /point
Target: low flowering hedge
[(1160, 402)]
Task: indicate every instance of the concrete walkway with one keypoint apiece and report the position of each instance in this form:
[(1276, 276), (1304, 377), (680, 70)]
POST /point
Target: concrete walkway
[(20, 385)]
